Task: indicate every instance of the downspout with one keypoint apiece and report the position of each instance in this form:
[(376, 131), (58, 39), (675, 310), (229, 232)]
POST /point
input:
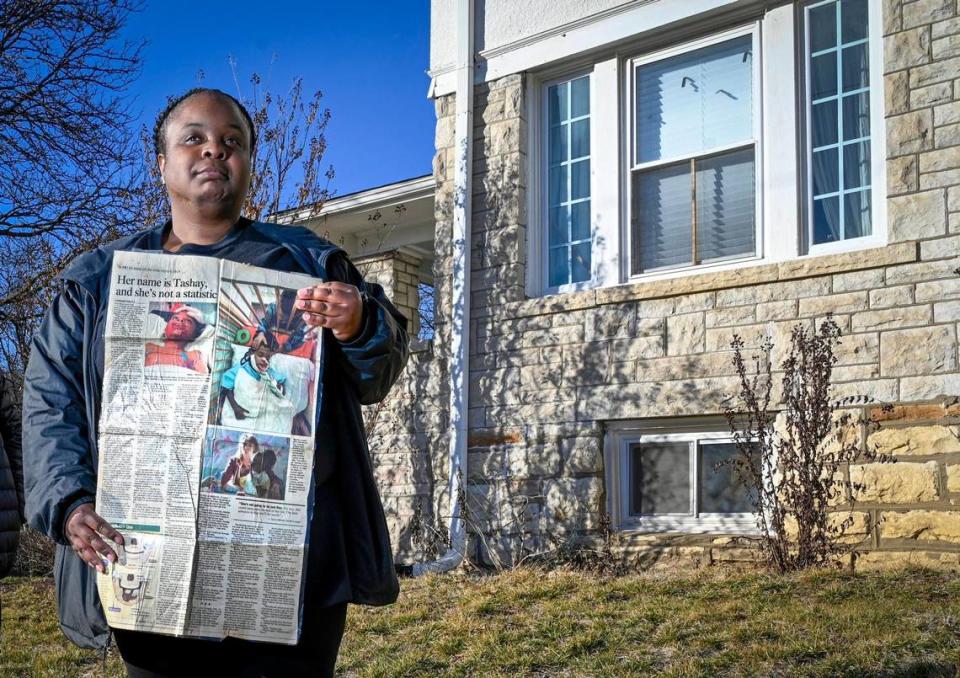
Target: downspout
[(460, 292)]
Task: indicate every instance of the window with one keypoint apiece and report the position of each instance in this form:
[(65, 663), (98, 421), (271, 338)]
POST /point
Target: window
[(425, 311), (567, 145), (837, 56), (706, 155), (693, 174), (677, 480)]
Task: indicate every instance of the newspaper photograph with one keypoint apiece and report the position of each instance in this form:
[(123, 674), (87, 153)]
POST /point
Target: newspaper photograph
[(206, 447)]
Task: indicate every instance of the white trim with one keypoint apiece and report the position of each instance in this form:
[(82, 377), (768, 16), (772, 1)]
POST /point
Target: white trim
[(878, 123), (599, 30), (780, 178), (390, 194), (605, 190), (535, 183)]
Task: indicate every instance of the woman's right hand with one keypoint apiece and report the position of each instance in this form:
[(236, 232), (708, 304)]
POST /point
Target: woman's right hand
[(84, 529)]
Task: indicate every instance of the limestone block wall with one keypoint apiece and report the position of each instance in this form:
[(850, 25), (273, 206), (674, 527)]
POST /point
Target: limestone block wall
[(407, 431), (913, 502), (397, 273), (548, 374)]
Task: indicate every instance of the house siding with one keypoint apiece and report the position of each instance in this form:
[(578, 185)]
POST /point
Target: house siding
[(547, 373)]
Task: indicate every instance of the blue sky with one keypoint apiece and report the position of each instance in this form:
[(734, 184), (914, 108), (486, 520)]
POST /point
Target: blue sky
[(368, 58)]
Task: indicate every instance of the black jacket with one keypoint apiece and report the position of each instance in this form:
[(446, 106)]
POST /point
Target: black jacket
[(62, 394), (11, 475)]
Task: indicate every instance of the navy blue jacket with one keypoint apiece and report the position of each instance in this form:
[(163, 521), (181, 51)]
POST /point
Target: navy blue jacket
[(11, 475), (61, 410)]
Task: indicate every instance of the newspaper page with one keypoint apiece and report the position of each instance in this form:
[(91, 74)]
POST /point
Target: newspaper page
[(206, 446)]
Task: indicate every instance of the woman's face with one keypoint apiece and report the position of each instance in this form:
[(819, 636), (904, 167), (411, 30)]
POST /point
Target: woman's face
[(249, 449), (181, 327), (206, 162)]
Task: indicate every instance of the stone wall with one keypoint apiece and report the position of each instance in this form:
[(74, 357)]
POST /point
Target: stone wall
[(398, 273), (546, 374), (914, 501)]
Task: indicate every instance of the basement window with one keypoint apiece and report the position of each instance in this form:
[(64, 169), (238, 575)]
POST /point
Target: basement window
[(677, 480)]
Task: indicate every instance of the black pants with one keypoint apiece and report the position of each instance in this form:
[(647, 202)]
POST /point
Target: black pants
[(149, 655)]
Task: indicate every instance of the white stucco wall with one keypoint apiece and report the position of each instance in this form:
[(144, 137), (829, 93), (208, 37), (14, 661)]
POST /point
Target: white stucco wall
[(501, 22)]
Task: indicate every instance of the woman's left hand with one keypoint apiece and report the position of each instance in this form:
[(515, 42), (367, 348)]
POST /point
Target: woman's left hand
[(335, 305)]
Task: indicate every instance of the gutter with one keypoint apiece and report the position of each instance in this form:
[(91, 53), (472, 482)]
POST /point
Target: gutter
[(460, 287)]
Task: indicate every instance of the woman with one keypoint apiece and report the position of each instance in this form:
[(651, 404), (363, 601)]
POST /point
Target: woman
[(204, 142), (238, 475)]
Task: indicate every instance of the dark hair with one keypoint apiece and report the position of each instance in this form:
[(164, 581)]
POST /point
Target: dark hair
[(160, 127), (265, 461)]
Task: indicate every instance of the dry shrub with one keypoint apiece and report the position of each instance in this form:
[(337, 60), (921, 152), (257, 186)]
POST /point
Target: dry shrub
[(798, 473), (34, 554)]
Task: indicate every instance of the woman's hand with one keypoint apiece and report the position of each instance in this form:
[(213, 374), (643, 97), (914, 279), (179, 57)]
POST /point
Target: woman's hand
[(335, 305), (84, 529)]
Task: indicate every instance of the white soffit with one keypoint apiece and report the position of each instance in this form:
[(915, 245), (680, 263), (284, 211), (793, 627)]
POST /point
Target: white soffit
[(595, 31)]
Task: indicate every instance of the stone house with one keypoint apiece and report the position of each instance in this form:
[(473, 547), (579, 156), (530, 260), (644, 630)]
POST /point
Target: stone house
[(619, 187)]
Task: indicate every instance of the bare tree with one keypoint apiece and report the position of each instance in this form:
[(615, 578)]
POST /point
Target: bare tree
[(291, 140), (64, 147)]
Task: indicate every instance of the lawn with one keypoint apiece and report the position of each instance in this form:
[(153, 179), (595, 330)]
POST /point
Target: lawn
[(536, 623)]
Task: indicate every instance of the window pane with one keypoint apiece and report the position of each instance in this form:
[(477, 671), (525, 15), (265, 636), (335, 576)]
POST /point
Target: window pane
[(559, 260), (823, 75), (426, 307), (856, 214), (826, 170), (855, 67), (558, 143), (856, 165), (580, 261), (580, 135), (557, 102), (660, 474), (823, 27), (580, 177), (720, 488), (580, 220), (824, 123), (856, 116), (559, 225), (853, 20), (558, 185), (662, 214), (580, 97), (826, 220), (695, 101), (726, 208)]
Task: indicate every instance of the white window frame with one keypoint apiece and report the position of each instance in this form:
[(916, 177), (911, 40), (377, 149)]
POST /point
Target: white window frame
[(878, 147), (780, 166), (622, 435), (629, 151)]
